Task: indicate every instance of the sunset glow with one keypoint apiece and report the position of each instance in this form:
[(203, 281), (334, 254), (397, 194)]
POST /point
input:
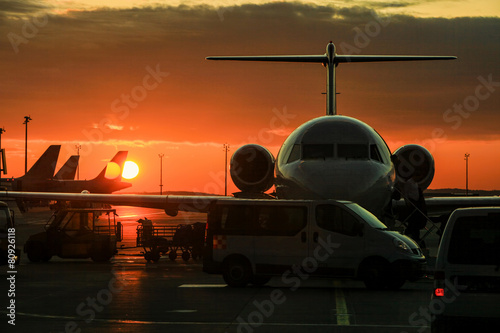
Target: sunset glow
[(112, 170), (130, 170), (132, 75)]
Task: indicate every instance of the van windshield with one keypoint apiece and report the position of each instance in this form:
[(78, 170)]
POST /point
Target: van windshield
[(370, 219), (475, 240)]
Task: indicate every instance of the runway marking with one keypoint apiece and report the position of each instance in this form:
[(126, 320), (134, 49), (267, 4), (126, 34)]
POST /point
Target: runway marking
[(202, 286), (341, 306), (143, 322)]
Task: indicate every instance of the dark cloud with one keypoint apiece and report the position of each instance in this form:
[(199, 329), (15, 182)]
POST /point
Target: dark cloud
[(94, 56), (15, 9)]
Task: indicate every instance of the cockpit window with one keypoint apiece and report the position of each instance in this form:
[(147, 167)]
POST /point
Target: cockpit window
[(352, 151), (375, 154), (317, 151), (294, 154)]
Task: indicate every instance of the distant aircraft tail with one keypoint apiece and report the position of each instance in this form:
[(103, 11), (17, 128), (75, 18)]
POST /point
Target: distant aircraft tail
[(68, 170), (119, 159), (45, 167)]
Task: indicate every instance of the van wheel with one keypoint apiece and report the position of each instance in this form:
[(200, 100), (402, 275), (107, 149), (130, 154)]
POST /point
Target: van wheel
[(374, 274), (237, 273)]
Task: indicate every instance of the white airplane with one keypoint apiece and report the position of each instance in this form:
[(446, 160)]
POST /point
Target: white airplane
[(330, 157)]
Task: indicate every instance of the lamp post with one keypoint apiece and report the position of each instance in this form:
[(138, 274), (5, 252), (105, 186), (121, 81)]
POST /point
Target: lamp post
[(78, 147), (161, 172), (26, 121), (226, 149), (3, 164), (2, 130), (467, 174)]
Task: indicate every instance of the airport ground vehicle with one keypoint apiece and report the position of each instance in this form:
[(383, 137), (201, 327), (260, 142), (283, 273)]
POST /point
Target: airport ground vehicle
[(157, 240), (7, 249), (76, 233), (248, 241), (467, 276)]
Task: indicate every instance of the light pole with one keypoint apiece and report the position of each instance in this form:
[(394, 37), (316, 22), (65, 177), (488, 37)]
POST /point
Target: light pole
[(161, 172), (467, 174), (78, 147), (226, 149), (3, 165), (2, 130), (26, 121)]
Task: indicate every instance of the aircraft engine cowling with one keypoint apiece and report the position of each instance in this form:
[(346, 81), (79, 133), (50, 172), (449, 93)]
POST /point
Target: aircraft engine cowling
[(252, 168), (414, 159)]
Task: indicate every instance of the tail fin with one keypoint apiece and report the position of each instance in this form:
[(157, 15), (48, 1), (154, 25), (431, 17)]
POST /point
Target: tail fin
[(119, 159), (46, 165), (68, 170), (331, 60)]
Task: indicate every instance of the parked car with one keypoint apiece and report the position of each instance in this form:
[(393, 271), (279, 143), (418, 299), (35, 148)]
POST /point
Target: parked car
[(467, 276)]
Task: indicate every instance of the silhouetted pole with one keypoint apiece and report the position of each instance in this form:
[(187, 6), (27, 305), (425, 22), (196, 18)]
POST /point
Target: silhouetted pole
[(226, 149), (2, 162), (26, 121), (78, 147), (467, 174), (2, 130), (161, 172)]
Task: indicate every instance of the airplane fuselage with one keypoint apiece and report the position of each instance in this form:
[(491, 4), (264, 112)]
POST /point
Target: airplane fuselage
[(336, 157)]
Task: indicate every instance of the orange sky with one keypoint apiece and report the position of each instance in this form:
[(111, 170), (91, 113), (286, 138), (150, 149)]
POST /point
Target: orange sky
[(86, 77)]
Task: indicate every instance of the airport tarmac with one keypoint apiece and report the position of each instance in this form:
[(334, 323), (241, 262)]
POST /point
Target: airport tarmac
[(130, 295)]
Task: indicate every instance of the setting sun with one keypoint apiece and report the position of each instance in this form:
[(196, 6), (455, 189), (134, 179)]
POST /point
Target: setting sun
[(112, 170), (130, 170)]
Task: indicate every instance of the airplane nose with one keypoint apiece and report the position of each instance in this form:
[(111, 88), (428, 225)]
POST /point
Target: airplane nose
[(368, 184)]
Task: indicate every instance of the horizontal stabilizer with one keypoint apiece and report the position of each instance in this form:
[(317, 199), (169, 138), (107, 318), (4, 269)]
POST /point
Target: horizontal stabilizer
[(336, 59), (378, 58), (330, 60), (284, 58)]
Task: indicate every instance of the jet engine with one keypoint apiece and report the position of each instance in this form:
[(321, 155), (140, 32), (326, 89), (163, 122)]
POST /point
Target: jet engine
[(252, 168), (414, 160)]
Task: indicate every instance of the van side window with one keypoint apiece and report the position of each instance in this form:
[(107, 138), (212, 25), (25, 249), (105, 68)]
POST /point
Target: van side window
[(235, 219), (336, 219), (281, 221)]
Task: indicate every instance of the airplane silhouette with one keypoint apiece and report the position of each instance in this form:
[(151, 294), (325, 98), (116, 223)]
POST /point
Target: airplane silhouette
[(329, 157), (41, 178)]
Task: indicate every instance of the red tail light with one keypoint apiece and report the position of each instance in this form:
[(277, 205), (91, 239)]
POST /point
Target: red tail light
[(439, 292)]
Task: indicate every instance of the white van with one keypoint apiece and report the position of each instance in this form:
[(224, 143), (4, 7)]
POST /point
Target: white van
[(467, 276), (248, 241)]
